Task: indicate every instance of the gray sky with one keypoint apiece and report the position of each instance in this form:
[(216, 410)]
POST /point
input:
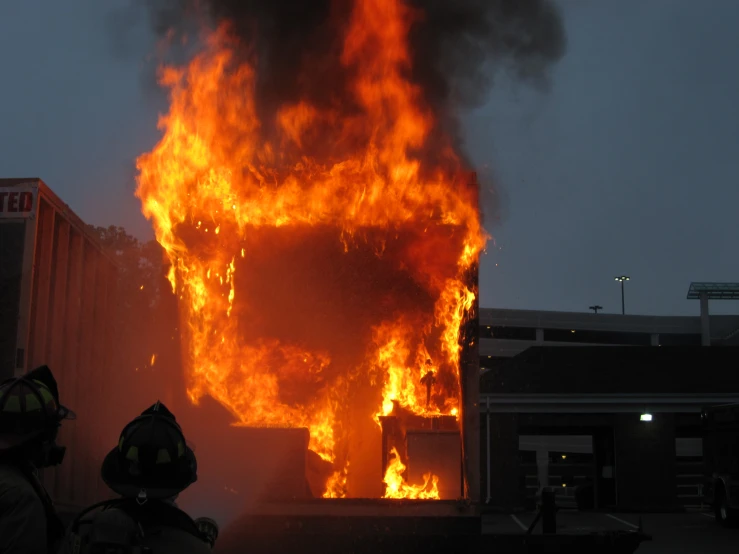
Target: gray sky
[(630, 164)]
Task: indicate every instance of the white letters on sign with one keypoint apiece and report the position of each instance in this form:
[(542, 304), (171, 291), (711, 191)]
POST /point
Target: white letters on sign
[(17, 201)]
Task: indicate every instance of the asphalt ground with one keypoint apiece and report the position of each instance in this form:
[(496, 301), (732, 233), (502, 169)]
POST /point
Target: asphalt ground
[(691, 532)]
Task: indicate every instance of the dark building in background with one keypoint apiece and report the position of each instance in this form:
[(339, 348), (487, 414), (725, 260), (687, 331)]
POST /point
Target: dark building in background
[(563, 397), (505, 333)]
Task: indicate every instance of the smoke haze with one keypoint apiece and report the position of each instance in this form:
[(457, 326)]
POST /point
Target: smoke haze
[(456, 47)]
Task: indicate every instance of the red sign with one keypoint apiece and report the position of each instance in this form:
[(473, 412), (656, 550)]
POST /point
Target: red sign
[(17, 201)]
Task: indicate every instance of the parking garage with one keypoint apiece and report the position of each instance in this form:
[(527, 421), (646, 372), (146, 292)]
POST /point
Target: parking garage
[(612, 428)]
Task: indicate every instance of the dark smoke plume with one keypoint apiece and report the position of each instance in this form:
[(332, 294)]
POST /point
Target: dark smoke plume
[(457, 46)]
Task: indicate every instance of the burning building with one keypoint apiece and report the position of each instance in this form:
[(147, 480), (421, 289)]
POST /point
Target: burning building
[(323, 234)]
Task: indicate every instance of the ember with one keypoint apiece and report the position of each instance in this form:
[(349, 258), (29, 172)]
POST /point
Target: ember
[(317, 291)]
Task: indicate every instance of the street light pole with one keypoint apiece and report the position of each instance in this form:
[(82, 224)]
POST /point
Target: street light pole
[(622, 278), (596, 308)]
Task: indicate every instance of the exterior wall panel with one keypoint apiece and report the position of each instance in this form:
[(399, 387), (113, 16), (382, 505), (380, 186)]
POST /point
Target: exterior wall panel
[(70, 352), (85, 413), (12, 236), (55, 335), (98, 440), (721, 325), (505, 492), (41, 284), (646, 463), (64, 297)]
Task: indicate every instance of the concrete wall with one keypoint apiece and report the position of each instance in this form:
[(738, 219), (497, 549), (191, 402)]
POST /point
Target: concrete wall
[(505, 487), (721, 325), (645, 462)]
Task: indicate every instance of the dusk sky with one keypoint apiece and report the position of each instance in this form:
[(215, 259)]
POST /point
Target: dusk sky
[(628, 164)]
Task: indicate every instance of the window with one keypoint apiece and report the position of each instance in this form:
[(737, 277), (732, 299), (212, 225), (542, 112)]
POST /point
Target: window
[(510, 333), (597, 337), (492, 362)]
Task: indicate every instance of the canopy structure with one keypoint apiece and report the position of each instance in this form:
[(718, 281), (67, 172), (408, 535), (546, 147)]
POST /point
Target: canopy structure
[(711, 291), (714, 291)]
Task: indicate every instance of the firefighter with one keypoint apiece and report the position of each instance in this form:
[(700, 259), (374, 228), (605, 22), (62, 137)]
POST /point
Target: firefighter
[(30, 417), (148, 468)]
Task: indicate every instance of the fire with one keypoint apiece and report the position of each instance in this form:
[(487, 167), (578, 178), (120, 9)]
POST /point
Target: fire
[(336, 484), (396, 487), (217, 184)]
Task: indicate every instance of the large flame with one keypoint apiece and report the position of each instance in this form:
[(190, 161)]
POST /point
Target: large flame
[(396, 487), (215, 181)]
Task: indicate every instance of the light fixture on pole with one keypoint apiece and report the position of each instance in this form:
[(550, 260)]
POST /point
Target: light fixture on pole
[(596, 308), (622, 279)]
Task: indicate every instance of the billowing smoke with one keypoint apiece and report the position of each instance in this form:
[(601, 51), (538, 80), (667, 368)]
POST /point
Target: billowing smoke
[(457, 47)]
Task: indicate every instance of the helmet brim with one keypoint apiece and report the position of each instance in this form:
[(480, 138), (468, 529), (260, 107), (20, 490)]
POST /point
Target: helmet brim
[(117, 478)]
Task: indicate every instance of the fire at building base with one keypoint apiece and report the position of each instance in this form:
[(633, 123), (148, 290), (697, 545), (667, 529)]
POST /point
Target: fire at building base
[(401, 455)]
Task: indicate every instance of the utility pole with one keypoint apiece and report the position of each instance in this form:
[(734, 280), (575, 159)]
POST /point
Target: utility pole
[(622, 279), (596, 308)]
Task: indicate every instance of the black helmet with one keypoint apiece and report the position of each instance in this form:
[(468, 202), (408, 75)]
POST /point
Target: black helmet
[(30, 409), (152, 459)]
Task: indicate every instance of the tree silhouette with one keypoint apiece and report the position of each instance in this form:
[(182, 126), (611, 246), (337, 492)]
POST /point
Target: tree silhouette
[(148, 336)]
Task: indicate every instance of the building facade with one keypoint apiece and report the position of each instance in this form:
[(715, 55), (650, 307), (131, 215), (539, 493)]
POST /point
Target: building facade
[(564, 395), (506, 333)]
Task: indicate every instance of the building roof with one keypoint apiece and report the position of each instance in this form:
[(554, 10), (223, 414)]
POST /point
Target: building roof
[(721, 325), (51, 197), (616, 369), (714, 291)]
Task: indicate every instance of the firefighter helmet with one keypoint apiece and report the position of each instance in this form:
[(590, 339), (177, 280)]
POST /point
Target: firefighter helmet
[(152, 459), (30, 409)]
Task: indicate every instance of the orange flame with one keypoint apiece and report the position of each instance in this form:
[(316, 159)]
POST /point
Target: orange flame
[(336, 484), (214, 180), (396, 487)]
